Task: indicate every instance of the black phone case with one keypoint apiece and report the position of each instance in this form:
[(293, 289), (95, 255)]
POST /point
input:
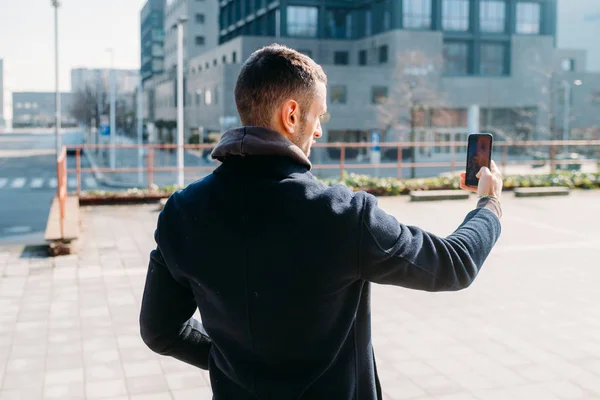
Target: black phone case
[(473, 180)]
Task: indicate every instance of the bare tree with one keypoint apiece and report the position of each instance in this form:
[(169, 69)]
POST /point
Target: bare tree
[(412, 92), (85, 106)]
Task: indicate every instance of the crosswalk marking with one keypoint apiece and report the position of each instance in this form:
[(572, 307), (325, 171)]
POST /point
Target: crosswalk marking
[(90, 182), (18, 183), (37, 183)]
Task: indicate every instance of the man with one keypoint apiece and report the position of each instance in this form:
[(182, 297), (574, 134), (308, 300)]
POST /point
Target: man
[(280, 265)]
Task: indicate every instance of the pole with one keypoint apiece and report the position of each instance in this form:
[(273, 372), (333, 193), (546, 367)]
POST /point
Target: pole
[(140, 121), (567, 112), (99, 91), (180, 176), (413, 169), (57, 126), (113, 127)]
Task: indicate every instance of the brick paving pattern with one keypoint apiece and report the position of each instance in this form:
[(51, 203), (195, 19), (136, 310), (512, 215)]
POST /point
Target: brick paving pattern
[(529, 327)]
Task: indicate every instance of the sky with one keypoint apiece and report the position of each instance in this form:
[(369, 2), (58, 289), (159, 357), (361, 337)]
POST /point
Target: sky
[(88, 27)]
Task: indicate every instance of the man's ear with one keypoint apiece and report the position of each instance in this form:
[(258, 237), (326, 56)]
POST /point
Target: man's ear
[(289, 116)]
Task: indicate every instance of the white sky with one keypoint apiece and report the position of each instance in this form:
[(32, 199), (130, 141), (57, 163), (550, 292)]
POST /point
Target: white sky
[(88, 27)]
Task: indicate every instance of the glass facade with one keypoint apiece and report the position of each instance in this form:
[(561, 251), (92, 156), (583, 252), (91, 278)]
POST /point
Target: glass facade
[(337, 94), (379, 94), (338, 24), (492, 16), (456, 58), (416, 14), (340, 58), (383, 54), (302, 21), (528, 18), (493, 59), (455, 15), (362, 57)]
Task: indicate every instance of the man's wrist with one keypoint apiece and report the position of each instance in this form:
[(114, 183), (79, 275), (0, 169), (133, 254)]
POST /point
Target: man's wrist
[(492, 203)]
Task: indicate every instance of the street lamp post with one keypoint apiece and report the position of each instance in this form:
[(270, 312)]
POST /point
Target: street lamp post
[(57, 126), (113, 123), (180, 172)]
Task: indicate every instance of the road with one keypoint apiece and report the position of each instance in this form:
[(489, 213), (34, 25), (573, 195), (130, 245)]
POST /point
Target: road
[(28, 184)]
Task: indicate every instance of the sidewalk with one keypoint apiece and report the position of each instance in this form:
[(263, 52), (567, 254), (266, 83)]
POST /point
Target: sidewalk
[(528, 328)]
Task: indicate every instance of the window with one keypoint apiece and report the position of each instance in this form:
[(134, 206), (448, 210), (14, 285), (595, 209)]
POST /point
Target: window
[(383, 54), (198, 97), (215, 62), (207, 97), (416, 14), (233, 57), (338, 24), (567, 64), (200, 18), (337, 94), (362, 57), (528, 18), (493, 59), (455, 15), (302, 21), (216, 96), (340, 58), (456, 58), (379, 94), (368, 21), (492, 16), (200, 40)]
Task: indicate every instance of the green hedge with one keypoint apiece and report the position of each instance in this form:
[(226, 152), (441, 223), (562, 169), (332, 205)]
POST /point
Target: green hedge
[(394, 187)]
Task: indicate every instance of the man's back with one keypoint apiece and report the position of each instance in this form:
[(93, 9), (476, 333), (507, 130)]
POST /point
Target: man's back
[(268, 252), (278, 264)]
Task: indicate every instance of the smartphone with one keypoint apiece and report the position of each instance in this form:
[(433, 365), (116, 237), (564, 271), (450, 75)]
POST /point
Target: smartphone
[(479, 154)]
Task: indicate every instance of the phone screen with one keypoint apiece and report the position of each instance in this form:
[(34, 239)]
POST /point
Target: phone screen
[(479, 154)]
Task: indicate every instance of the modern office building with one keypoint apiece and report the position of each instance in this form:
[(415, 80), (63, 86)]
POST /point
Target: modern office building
[(152, 34), (127, 80), (436, 58), (200, 30), (37, 109)]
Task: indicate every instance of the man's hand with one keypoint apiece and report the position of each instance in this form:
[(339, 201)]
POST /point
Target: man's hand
[(490, 182)]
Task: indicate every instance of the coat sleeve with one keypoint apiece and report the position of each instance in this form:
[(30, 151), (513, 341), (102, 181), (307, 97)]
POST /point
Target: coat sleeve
[(167, 325), (396, 254)]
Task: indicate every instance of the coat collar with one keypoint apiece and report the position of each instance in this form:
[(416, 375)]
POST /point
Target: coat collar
[(257, 141)]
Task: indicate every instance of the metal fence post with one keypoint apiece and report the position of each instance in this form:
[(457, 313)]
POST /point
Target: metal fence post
[(150, 167), (78, 170), (342, 160), (399, 166)]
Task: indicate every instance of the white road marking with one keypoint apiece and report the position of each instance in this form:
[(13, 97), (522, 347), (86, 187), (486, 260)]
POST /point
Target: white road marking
[(72, 183), (52, 183), (37, 183), (18, 183), (3, 182)]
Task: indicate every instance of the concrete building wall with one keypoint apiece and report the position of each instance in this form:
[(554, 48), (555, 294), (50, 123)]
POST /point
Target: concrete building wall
[(37, 109), (207, 28)]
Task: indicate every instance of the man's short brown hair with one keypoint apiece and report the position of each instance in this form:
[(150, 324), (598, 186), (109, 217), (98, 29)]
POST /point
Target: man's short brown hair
[(270, 76)]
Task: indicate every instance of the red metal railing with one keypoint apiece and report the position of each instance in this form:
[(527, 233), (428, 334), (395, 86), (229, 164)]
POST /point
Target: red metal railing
[(61, 188), (344, 163)]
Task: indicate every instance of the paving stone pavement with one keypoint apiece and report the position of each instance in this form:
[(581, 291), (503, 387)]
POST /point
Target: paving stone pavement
[(528, 328)]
